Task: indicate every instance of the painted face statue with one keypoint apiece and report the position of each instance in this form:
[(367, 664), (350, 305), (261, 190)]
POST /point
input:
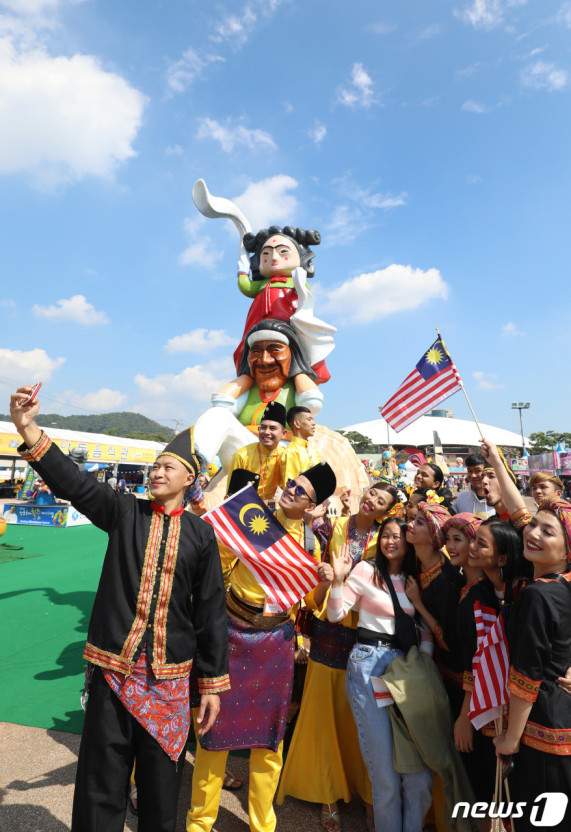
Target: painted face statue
[(278, 256), (269, 363)]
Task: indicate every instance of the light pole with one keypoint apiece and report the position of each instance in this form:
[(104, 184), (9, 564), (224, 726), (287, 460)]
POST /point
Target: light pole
[(521, 406)]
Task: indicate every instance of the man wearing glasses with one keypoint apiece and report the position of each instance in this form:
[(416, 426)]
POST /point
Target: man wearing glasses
[(261, 668)]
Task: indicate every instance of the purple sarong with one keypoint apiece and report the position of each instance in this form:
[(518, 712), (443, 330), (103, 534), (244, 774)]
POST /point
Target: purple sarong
[(253, 712)]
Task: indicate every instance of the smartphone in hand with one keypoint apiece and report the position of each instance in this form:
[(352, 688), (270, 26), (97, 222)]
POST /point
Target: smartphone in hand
[(32, 395)]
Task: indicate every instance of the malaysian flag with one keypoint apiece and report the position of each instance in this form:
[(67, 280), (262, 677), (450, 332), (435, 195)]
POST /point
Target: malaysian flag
[(279, 563), (490, 667), (434, 379)]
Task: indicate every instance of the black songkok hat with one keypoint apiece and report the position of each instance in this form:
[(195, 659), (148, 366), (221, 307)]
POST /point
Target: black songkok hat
[(239, 478), (323, 480), (182, 448), (274, 412)]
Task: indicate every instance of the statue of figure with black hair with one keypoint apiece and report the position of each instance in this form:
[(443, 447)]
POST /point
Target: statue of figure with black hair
[(282, 352), (279, 263), (273, 267)]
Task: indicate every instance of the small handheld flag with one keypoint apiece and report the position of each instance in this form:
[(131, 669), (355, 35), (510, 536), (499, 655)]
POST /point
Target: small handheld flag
[(282, 567), (490, 667), (433, 380)]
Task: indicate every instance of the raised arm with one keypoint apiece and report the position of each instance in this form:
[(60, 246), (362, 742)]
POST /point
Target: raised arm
[(98, 501), (510, 494)]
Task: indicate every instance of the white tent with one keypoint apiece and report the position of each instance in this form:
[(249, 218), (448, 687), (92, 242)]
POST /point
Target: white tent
[(455, 432)]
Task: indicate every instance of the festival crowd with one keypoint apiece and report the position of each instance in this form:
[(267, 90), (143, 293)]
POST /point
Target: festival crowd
[(386, 642)]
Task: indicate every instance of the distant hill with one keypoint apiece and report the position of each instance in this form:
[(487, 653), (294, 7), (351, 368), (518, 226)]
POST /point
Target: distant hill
[(115, 424)]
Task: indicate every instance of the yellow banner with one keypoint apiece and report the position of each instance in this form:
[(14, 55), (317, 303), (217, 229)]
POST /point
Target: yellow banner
[(96, 451)]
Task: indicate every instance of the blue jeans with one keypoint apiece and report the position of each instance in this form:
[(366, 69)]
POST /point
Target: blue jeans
[(392, 813)]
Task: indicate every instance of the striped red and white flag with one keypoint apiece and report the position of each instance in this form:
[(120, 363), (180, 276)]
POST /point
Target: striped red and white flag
[(280, 564), (490, 667), (433, 379)]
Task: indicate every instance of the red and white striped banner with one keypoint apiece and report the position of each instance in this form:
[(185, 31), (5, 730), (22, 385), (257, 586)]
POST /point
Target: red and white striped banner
[(490, 667)]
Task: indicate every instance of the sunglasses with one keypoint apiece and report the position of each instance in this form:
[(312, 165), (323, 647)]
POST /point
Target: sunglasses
[(297, 489)]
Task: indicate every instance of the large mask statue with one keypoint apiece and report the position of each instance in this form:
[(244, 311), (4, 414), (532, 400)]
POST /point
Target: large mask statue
[(279, 258), (281, 355)]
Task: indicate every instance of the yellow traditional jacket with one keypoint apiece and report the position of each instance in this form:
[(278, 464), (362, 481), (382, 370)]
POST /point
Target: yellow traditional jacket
[(298, 457), (268, 464)]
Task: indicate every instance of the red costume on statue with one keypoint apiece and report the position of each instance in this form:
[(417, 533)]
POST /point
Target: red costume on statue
[(278, 299)]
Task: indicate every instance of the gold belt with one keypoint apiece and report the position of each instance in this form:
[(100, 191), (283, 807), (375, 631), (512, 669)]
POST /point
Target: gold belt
[(253, 616)]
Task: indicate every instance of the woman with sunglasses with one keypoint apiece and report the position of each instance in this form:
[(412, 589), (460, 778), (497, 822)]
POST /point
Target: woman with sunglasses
[(324, 763), (364, 589)]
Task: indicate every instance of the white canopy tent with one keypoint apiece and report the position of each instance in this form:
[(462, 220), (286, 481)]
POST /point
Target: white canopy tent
[(452, 432)]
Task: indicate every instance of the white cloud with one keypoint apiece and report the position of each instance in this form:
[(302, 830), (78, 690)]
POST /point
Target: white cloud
[(376, 295), (544, 76), (564, 15), (104, 400), (475, 107), (466, 72), (269, 200), (234, 135), (199, 340), (202, 250), (28, 366), (357, 209), (511, 329), (382, 28), (174, 150), (76, 309), (8, 303), (63, 118), (235, 29), (360, 92), (427, 33), (473, 179), (31, 7), (486, 14), (487, 381), (182, 73), (231, 31), (317, 133), (193, 384), (202, 253)]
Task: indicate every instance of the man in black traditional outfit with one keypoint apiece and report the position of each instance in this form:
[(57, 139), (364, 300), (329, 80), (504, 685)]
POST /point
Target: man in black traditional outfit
[(159, 608)]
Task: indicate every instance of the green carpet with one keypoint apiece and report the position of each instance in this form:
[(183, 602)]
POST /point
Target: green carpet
[(46, 604), (9, 553)]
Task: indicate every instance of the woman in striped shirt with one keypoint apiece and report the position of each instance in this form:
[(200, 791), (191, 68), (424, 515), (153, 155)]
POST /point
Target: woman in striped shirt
[(365, 590)]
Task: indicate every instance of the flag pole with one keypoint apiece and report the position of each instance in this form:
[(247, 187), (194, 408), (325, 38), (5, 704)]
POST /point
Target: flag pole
[(465, 394)]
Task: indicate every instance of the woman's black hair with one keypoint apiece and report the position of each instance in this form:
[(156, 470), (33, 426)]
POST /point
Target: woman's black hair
[(381, 485), (509, 543), (445, 493), (253, 243), (382, 564)]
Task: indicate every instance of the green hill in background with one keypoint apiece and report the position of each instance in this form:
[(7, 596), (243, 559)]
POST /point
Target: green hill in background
[(132, 425)]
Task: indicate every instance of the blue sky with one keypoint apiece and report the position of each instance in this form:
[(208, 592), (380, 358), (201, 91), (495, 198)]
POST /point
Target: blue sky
[(428, 142)]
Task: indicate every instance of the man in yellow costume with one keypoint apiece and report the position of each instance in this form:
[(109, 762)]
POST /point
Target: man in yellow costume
[(265, 456), (261, 668), (299, 455)]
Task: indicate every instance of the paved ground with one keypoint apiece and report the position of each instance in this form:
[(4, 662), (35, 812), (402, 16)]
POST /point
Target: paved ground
[(37, 770)]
